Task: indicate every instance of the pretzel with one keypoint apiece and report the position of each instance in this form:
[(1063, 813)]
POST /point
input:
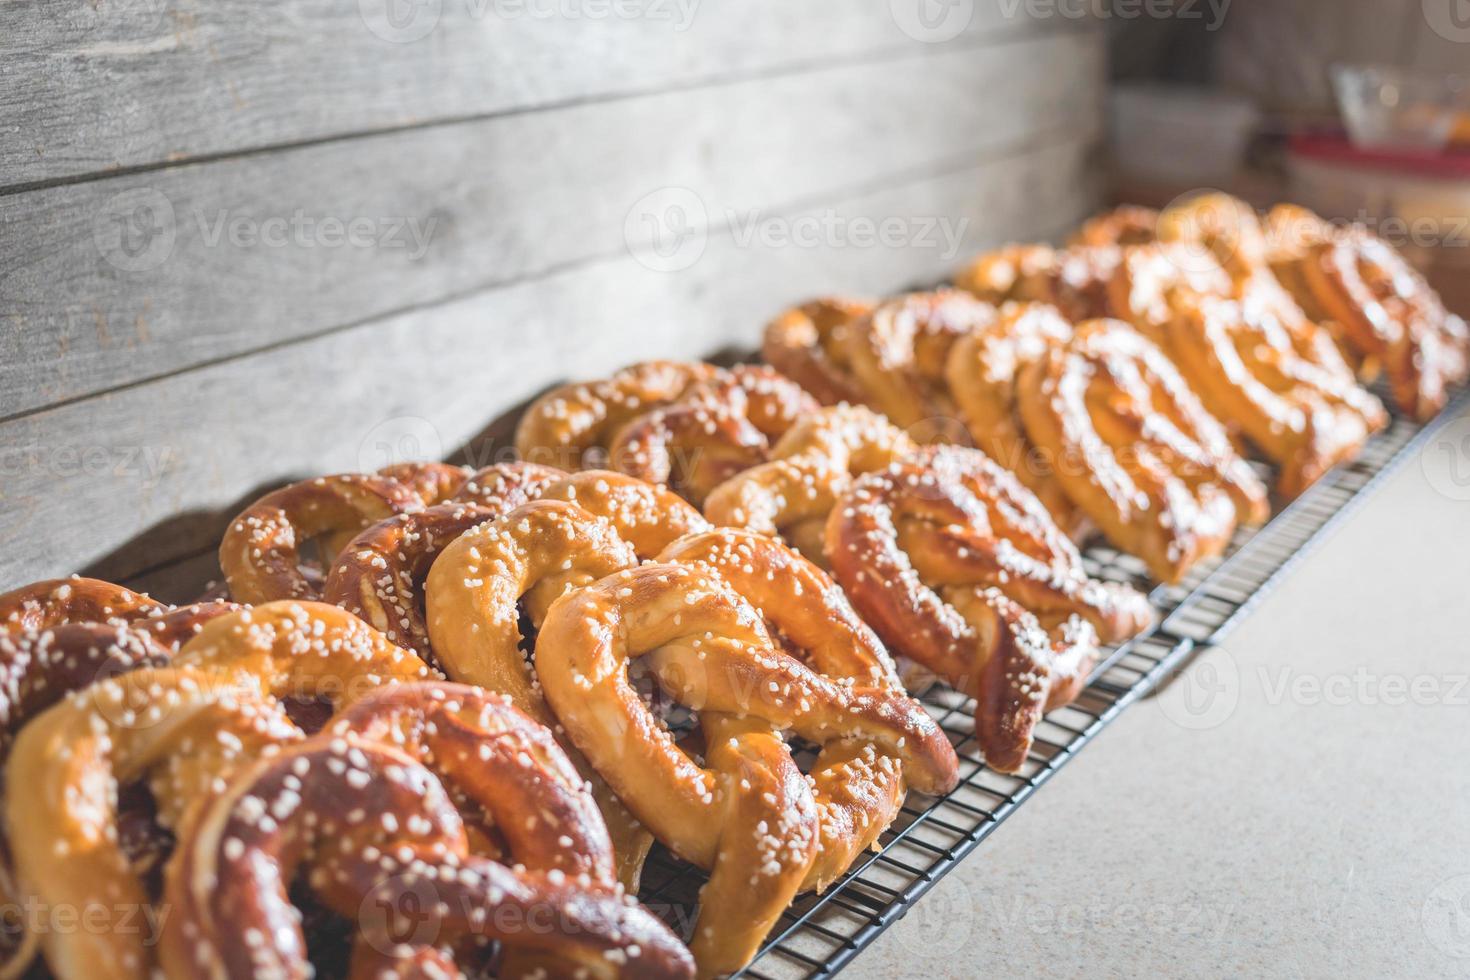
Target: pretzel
[(716, 429), (57, 602), (745, 814), (1151, 280), (378, 576), (433, 482), (503, 487), (898, 353), (1135, 450), (646, 516), (982, 370), (473, 592), (179, 731), (1127, 224), (959, 567), (810, 467), (807, 344), (1074, 280), (1388, 313), (378, 838), (261, 553), (859, 789), (1292, 398), (300, 650), (572, 426), (1225, 226)]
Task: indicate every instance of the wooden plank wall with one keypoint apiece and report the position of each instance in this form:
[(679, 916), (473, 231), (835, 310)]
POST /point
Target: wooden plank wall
[(244, 242)]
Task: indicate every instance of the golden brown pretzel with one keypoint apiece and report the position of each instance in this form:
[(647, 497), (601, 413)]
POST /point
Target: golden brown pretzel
[(1287, 389), (178, 731), (958, 566), (982, 371), (1135, 450), (1074, 280), (301, 650), (646, 516), (746, 814), (56, 602), (433, 482), (474, 592), (379, 575), (810, 467), (379, 840), (572, 426), (261, 553), (859, 789), (808, 344), (898, 353), (503, 487), (1127, 224), (1150, 281), (716, 429), (1388, 313), (1226, 226)]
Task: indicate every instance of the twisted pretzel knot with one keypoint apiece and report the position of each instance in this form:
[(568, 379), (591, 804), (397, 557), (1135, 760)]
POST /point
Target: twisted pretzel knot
[(1289, 391), (1150, 281), (747, 814), (572, 426), (1134, 448), (808, 344), (1127, 224), (474, 591), (647, 517), (180, 731), (56, 602), (261, 553), (365, 810), (898, 354), (944, 555), (1389, 313), (503, 487), (1075, 280), (810, 467), (982, 370), (716, 429), (433, 482)]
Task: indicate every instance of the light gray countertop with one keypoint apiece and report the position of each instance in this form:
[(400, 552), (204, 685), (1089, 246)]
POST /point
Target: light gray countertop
[(1295, 804)]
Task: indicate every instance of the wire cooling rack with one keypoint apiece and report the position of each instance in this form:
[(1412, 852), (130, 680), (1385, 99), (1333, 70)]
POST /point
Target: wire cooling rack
[(820, 934)]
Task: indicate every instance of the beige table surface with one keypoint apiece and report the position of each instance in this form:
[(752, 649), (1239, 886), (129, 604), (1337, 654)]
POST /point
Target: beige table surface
[(1296, 804)]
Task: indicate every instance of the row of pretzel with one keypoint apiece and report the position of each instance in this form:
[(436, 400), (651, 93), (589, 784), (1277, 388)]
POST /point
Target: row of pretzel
[(439, 716)]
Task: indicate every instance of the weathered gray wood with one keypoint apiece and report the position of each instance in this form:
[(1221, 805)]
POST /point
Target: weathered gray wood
[(127, 481), (91, 87), (111, 282)]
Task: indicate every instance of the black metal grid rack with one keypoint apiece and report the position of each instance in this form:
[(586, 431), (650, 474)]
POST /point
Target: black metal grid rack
[(820, 934)]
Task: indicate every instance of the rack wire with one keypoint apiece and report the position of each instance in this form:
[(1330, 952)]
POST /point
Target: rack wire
[(820, 934)]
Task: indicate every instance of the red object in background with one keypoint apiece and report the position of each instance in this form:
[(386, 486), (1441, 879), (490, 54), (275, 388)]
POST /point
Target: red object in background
[(1334, 147)]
